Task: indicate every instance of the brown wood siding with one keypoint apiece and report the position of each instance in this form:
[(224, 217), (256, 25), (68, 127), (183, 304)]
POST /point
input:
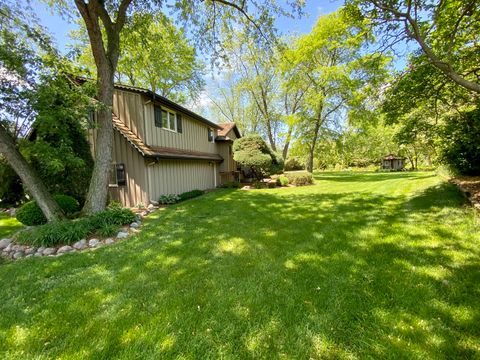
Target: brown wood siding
[(135, 190), (194, 134), (178, 176), (128, 107)]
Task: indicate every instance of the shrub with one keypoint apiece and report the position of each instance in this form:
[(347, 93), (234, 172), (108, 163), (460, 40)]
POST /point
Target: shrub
[(252, 151), (259, 184), (459, 144), (30, 214), (282, 180), (293, 163), (56, 233), (190, 194), (108, 230), (169, 199), (299, 178), (231, 185), (105, 223)]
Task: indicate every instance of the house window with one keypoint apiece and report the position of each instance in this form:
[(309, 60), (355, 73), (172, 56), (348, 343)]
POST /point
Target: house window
[(117, 175), (167, 119), (210, 135)]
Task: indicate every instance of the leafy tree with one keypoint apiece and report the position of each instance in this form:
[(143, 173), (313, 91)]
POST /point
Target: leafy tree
[(251, 151), (459, 145), (19, 67), (447, 32), (340, 75), (154, 54)]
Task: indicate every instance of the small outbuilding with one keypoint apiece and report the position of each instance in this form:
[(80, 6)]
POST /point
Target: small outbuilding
[(393, 162)]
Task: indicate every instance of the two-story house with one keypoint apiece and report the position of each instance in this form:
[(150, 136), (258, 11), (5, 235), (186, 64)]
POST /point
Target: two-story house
[(160, 147)]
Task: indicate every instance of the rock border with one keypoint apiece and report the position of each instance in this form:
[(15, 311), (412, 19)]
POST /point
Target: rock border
[(13, 251), (473, 198)]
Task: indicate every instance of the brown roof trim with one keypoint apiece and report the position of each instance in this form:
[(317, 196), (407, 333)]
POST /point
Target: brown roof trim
[(160, 152), (171, 153), (169, 103), (226, 127)]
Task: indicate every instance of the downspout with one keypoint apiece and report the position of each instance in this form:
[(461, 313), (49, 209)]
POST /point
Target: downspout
[(215, 174)]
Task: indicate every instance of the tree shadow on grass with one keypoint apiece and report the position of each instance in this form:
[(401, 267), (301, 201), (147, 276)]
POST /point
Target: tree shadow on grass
[(259, 275), (370, 176)]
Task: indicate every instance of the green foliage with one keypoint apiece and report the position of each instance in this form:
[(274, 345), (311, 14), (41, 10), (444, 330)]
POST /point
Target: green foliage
[(169, 199), (108, 230), (294, 163), (11, 190), (259, 184), (30, 214), (282, 180), (299, 178), (231, 185), (190, 194), (58, 148), (105, 223), (251, 151), (459, 143), (56, 233)]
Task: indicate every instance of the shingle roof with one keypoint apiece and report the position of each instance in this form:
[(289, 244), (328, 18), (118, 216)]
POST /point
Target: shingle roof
[(159, 152), (225, 128), (393, 157)]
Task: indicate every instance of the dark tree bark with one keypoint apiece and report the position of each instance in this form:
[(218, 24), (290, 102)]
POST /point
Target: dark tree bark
[(106, 59), (29, 178)]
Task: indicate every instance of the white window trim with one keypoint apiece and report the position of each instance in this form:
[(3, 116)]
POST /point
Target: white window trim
[(113, 165), (213, 135), (168, 117)]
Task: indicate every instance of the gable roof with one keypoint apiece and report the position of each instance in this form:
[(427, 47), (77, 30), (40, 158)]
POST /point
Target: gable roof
[(169, 103), (159, 152), (225, 128), (393, 157)]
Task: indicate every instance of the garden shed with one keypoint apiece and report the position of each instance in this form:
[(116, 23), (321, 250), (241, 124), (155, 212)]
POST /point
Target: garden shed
[(393, 162)]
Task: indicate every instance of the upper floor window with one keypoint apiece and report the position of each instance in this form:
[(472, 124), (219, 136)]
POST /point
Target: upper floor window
[(167, 119), (210, 135)]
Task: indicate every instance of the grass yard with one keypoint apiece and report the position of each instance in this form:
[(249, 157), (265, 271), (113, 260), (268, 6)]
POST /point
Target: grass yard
[(8, 225), (357, 266)]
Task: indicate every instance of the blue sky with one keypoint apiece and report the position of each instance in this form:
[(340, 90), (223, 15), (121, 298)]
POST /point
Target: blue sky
[(60, 28)]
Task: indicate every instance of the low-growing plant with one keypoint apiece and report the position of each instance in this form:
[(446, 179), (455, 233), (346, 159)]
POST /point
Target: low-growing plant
[(190, 194), (105, 223), (56, 233), (282, 180), (231, 185), (108, 230), (169, 199), (300, 178), (30, 214), (259, 185)]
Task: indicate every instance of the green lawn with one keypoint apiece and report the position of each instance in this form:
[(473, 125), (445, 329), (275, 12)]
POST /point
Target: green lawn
[(357, 266), (8, 225)]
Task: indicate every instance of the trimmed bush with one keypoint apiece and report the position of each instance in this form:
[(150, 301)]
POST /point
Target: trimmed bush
[(299, 178), (105, 223), (293, 163), (169, 199), (30, 214), (282, 180), (231, 185), (190, 194)]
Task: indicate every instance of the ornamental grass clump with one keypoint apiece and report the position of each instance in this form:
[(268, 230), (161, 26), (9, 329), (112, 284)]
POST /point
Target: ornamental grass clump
[(300, 178)]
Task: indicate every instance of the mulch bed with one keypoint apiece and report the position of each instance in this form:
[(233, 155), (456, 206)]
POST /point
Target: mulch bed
[(470, 185)]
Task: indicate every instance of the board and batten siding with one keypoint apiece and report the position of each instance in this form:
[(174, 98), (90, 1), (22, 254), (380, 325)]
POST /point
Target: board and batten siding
[(179, 176), (135, 190), (129, 107), (194, 134)]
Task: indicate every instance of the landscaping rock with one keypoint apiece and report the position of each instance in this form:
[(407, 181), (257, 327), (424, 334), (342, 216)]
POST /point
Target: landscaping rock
[(18, 254), (18, 248), (8, 248), (30, 251), (4, 243), (38, 254), (49, 251), (80, 245), (12, 212), (64, 249), (93, 242), (154, 203), (135, 225), (150, 207), (109, 241), (122, 235), (40, 249)]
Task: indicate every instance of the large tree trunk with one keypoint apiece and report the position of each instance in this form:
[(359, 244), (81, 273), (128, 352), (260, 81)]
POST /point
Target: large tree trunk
[(98, 190), (30, 179)]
